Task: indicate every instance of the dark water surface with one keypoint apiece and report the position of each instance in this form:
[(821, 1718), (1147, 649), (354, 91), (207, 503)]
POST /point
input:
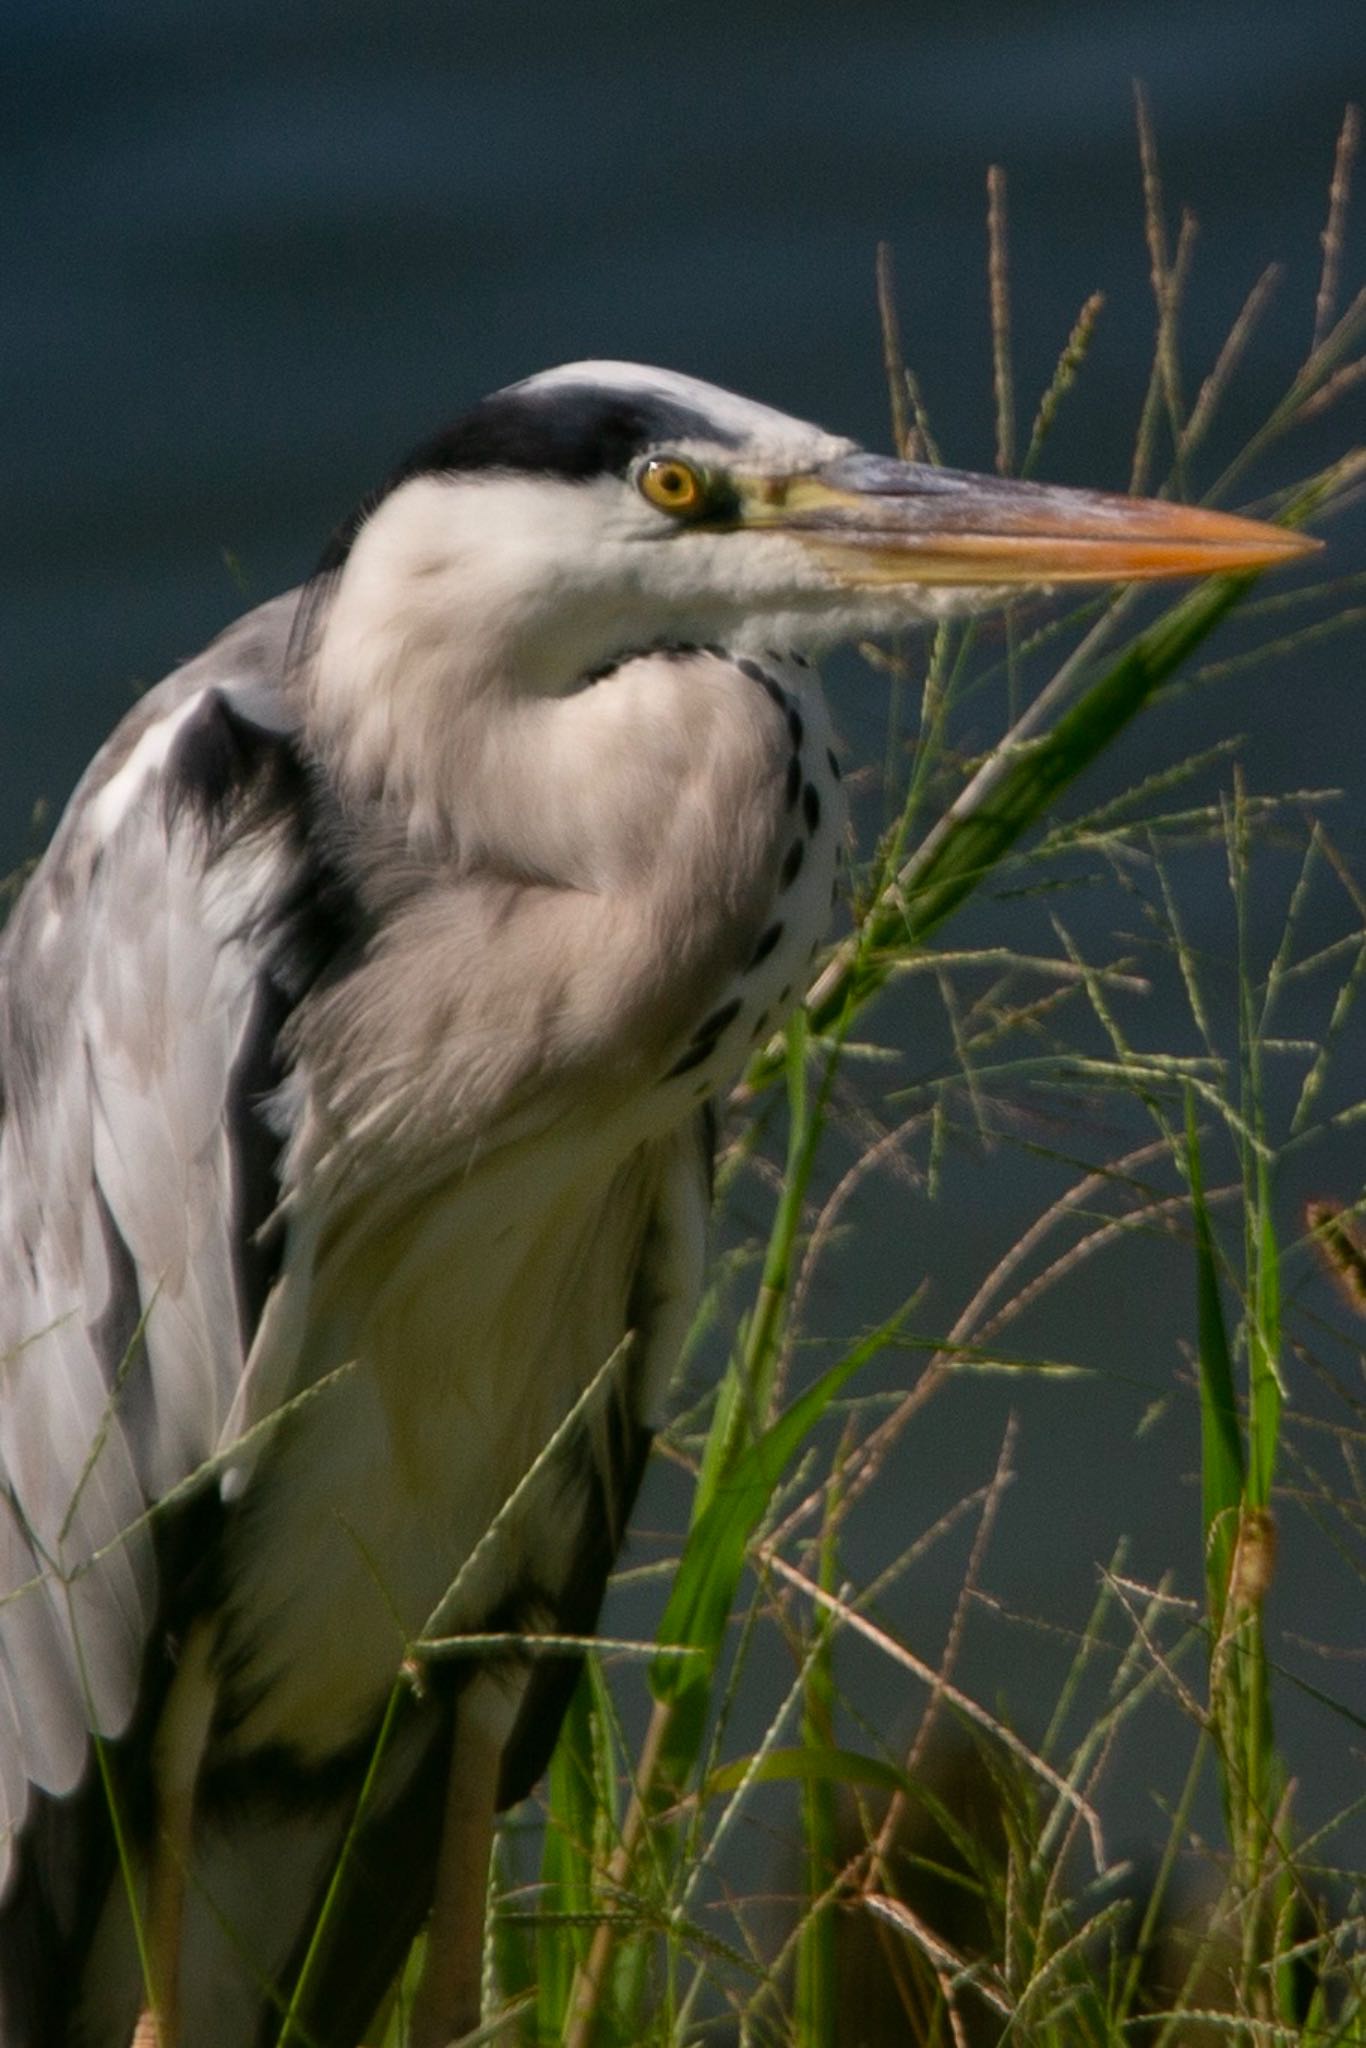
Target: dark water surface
[(250, 252)]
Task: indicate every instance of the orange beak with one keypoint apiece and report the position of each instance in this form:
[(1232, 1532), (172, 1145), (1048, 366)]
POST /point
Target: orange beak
[(876, 521)]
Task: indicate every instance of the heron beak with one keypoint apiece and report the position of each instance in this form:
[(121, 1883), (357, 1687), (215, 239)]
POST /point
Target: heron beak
[(880, 522)]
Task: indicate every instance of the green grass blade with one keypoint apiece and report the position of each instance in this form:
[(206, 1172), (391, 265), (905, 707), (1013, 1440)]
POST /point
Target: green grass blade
[(1222, 1473), (1038, 773), (1264, 1391), (816, 2017), (980, 829), (746, 1393), (567, 1864), (714, 1554), (800, 1766)]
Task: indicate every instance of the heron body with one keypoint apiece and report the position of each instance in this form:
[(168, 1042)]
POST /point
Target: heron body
[(357, 1037)]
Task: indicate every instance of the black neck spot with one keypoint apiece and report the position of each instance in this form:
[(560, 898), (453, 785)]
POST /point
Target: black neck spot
[(718, 1020), (675, 650), (767, 941)]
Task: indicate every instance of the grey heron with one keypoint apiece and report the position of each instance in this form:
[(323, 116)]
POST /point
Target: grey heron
[(357, 1037)]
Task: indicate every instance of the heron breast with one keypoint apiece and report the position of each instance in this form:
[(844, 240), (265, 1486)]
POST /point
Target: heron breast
[(474, 1331)]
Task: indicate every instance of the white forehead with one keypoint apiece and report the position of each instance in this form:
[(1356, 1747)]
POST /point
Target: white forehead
[(759, 426)]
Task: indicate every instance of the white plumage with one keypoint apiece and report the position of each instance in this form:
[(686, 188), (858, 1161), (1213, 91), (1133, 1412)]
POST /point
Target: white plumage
[(356, 1037)]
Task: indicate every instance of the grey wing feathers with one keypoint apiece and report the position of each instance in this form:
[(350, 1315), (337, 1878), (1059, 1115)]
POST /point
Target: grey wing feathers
[(131, 982)]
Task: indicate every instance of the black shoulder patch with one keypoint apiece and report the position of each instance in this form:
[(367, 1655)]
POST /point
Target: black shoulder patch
[(240, 778), (217, 760), (574, 431), (234, 778)]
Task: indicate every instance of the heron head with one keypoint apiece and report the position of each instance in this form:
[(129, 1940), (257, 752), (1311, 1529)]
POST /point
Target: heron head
[(604, 506)]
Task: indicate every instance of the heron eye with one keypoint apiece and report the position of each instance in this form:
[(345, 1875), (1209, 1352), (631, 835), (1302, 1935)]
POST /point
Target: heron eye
[(673, 485)]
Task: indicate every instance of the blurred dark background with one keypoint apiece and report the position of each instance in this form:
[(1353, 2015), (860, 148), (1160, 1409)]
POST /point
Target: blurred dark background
[(252, 251)]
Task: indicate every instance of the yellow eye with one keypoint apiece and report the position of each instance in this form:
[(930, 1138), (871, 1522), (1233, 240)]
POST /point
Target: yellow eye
[(673, 485)]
